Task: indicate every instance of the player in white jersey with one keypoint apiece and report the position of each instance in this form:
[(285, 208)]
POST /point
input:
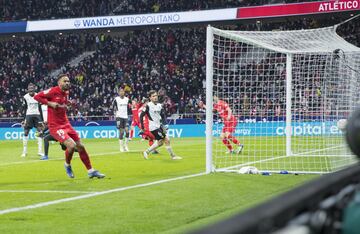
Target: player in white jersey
[(157, 120), (33, 118), (121, 105)]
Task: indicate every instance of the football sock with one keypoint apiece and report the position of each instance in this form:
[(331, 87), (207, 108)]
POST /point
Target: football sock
[(153, 147), (25, 141), (171, 152), (40, 145), (46, 146), (121, 142), (233, 139), (151, 142), (85, 159), (91, 170), (131, 133), (227, 144), (68, 156)]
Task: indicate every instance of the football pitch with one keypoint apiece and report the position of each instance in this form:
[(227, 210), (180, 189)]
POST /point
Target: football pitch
[(158, 195)]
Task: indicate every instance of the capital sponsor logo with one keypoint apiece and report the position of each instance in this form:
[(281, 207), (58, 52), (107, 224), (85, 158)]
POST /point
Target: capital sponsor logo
[(310, 130), (92, 123), (16, 125)]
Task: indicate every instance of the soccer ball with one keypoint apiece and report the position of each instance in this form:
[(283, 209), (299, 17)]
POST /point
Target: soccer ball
[(248, 170), (341, 124)]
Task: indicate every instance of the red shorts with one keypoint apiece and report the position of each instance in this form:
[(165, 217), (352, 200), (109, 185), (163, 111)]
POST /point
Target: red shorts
[(229, 126), (147, 135), (135, 123), (64, 132)]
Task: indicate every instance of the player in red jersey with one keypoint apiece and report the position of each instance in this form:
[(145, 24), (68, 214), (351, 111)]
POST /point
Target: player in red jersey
[(230, 122), (56, 98), (135, 106), (146, 134)]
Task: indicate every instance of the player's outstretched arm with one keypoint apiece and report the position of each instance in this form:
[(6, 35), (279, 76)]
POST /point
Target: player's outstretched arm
[(43, 97)]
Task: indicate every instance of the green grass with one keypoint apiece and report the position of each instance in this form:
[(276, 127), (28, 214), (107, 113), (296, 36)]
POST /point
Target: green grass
[(172, 207)]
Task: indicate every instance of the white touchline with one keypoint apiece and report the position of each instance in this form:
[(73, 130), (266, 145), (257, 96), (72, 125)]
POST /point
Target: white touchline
[(41, 191), (43, 204)]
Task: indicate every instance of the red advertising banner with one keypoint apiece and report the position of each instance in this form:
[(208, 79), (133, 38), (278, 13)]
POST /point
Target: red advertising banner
[(298, 9)]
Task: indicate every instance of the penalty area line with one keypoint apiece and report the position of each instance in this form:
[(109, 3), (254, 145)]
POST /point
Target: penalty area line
[(95, 194)]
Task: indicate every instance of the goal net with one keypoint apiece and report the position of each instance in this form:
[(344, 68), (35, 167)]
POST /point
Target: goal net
[(287, 90)]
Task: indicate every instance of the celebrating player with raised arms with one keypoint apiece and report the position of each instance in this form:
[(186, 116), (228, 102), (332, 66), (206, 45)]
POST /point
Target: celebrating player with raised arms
[(33, 119), (230, 123), (120, 106), (155, 112), (56, 98)]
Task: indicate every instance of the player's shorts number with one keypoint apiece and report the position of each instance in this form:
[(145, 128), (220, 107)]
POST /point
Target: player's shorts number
[(61, 133)]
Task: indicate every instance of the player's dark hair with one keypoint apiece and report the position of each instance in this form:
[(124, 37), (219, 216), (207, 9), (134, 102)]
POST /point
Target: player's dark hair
[(61, 76), (151, 92)]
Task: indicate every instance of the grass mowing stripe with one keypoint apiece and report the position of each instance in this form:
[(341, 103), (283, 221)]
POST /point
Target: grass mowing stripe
[(75, 156), (43, 204), (41, 191)]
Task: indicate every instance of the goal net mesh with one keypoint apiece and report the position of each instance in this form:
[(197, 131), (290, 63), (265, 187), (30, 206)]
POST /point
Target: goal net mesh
[(304, 80)]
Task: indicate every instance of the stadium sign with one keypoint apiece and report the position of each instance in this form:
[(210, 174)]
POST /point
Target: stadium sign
[(198, 130), (132, 20), (298, 9), (253, 12)]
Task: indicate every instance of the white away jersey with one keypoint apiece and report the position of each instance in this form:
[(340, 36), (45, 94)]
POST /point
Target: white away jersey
[(154, 113), (44, 109), (121, 107), (32, 106)]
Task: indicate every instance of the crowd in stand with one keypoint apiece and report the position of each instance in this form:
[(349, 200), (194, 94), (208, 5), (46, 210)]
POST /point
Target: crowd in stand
[(28, 60), (54, 9), (172, 60)]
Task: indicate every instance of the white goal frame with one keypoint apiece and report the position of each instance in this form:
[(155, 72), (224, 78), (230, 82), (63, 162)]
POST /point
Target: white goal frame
[(335, 42)]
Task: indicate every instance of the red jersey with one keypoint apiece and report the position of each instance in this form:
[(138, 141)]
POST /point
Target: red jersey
[(222, 108), (56, 117), (146, 118), (135, 112)]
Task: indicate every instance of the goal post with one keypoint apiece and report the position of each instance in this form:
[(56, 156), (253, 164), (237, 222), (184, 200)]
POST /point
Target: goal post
[(288, 90)]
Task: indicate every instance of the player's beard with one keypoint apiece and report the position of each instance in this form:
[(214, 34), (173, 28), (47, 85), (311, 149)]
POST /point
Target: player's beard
[(65, 87)]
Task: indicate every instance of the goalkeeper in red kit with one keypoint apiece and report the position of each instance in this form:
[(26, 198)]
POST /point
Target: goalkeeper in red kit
[(230, 122), (56, 98)]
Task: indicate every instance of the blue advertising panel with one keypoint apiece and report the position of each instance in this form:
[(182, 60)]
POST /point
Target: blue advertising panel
[(197, 130), (13, 27)]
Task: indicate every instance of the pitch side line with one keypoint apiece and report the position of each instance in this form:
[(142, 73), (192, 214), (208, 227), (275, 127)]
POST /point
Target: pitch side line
[(95, 194), (41, 191)]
